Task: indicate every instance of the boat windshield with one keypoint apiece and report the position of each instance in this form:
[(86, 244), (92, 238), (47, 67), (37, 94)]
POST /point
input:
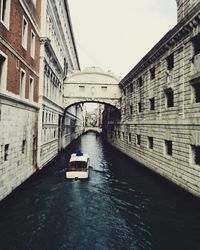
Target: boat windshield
[(77, 165)]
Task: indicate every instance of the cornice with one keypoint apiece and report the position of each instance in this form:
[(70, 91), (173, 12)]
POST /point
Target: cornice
[(16, 102), (92, 73), (47, 44)]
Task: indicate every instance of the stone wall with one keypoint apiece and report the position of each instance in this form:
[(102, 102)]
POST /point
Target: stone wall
[(160, 107), (18, 149)]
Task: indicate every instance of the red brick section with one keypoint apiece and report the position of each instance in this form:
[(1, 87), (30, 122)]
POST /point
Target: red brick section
[(13, 37)]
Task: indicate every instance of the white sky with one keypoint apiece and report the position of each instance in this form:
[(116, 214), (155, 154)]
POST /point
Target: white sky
[(116, 34)]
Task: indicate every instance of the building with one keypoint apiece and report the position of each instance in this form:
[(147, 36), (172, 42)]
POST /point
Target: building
[(37, 51), (160, 105), (74, 123), (19, 85), (58, 57)]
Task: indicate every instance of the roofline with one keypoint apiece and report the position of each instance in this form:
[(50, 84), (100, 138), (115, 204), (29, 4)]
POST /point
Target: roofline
[(92, 73)]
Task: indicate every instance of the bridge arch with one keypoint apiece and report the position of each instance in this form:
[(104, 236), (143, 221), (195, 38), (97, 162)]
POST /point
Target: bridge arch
[(92, 85)]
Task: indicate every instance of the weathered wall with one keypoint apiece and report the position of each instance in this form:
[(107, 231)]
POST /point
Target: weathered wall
[(160, 113), (18, 143)]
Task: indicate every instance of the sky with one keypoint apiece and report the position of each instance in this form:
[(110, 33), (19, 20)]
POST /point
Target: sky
[(116, 34)]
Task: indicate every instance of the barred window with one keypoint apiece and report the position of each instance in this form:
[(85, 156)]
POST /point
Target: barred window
[(138, 139), (152, 73), (150, 142), (169, 94), (196, 44), (152, 103), (170, 62), (195, 154), (196, 92), (168, 147)]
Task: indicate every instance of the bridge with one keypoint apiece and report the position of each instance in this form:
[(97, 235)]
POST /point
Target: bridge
[(92, 85), (94, 129)]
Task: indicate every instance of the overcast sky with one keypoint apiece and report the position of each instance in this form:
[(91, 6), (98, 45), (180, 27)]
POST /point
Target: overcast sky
[(116, 34)]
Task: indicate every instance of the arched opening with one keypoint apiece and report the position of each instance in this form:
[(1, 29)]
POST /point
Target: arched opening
[(78, 118)]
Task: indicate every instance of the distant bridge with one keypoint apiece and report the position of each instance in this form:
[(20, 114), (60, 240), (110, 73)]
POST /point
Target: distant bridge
[(92, 85), (94, 129)]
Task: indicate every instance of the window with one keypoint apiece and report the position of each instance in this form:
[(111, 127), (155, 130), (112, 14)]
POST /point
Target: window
[(140, 81), (31, 88), (5, 13), (170, 62), (3, 72), (150, 142), (81, 88), (131, 87), (119, 134), (24, 33), (152, 103), (152, 73), (168, 147), (195, 154), (139, 107), (22, 83), (103, 88), (43, 116), (169, 98), (131, 109), (196, 42), (129, 138), (138, 139), (196, 92), (6, 148), (23, 146), (32, 49), (123, 135)]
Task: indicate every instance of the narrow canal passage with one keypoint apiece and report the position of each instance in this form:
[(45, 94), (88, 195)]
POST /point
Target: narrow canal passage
[(121, 206)]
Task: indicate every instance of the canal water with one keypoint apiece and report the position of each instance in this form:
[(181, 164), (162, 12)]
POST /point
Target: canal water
[(121, 206)]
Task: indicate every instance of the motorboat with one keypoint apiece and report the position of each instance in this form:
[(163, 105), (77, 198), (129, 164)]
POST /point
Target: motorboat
[(78, 167)]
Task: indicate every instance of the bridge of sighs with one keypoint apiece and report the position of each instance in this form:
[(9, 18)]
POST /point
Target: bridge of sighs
[(92, 85)]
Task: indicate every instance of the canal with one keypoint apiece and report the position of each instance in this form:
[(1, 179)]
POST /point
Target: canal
[(121, 206)]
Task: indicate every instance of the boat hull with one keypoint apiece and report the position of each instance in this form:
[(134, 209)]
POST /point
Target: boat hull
[(77, 175)]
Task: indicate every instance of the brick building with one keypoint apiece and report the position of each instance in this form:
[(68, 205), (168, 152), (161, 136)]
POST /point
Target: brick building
[(35, 57), (160, 105), (19, 79)]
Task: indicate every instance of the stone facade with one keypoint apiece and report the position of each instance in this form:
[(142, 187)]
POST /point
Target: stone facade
[(58, 57), (92, 85), (73, 124), (19, 79), (160, 106)]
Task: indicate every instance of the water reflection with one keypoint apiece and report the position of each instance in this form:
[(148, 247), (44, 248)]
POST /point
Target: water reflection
[(121, 206)]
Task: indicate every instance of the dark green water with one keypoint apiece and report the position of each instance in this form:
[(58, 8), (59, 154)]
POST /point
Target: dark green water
[(121, 206)]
